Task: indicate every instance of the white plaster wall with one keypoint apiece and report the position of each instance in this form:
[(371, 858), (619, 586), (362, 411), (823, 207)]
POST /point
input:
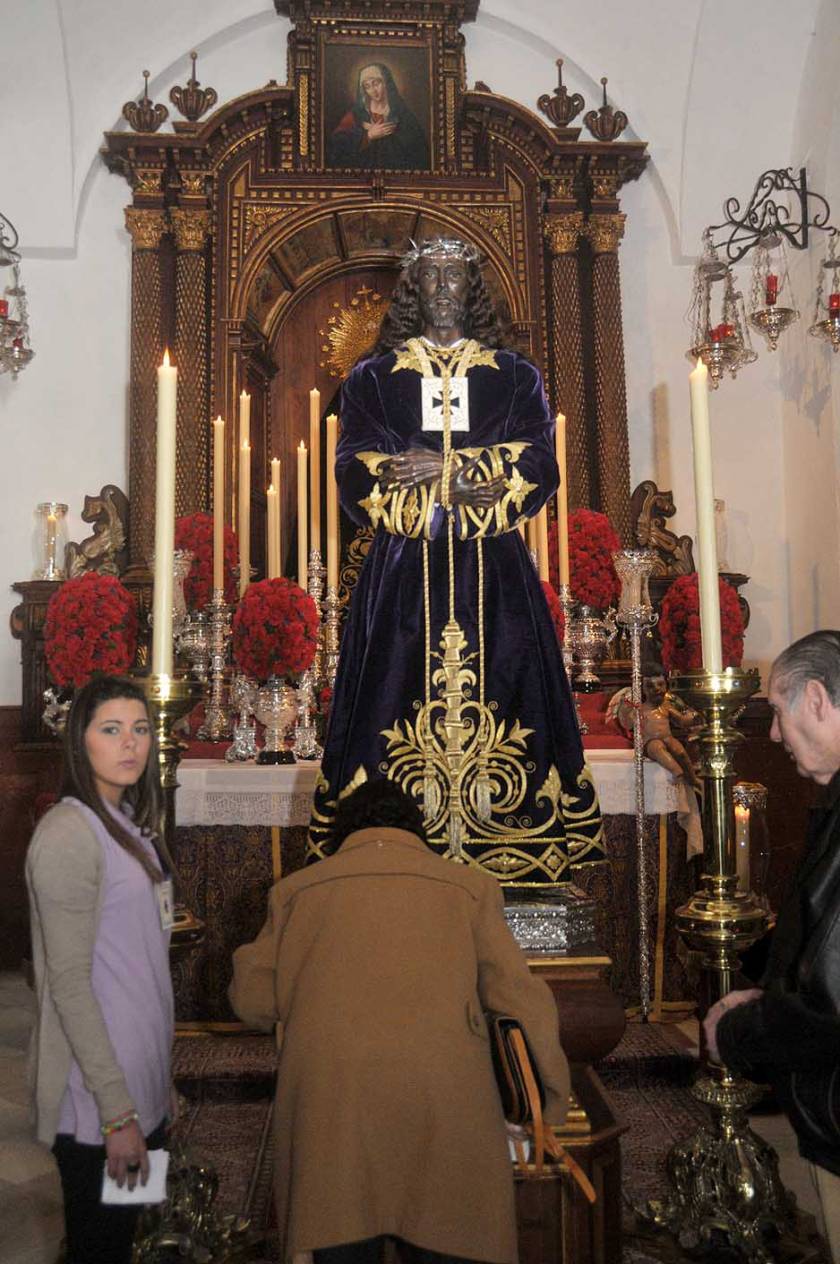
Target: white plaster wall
[(810, 381), (689, 76)]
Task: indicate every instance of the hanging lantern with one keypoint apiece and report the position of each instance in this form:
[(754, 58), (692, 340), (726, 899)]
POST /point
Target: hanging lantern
[(722, 344), (772, 306), (827, 308)]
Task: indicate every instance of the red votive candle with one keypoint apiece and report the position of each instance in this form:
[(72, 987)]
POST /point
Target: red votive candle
[(834, 302), (771, 289), (4, 307)]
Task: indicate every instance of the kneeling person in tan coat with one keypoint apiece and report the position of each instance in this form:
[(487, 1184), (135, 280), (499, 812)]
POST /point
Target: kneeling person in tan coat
[(375, 967)]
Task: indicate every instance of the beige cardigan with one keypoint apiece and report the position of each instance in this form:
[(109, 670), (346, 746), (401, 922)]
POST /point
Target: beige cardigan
[(64, 870)]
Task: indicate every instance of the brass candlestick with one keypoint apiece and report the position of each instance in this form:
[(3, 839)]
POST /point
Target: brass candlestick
[(724, 1181), (170, 698)]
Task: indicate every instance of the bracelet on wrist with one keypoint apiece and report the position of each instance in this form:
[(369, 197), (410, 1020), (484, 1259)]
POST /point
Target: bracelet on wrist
[(121, 1121)]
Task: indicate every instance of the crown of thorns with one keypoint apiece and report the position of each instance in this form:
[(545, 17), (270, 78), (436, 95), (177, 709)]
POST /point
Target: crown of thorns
[(450, 246)]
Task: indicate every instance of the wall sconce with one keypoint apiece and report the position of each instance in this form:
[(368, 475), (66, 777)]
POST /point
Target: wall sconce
[(15, 351), (768, 226)]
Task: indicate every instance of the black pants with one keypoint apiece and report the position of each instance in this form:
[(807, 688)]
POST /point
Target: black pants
[(371, 1250), (96, 1234)]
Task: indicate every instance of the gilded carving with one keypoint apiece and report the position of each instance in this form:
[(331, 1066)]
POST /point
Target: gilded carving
[(563, 186), (303, 114), (649, 508), (146, 227), (495, 220), (351, 332), (450, 117), (605, 182), (191, 228), (561, 232), (147, 181), (258, 218), (605, 232), (193, 183)]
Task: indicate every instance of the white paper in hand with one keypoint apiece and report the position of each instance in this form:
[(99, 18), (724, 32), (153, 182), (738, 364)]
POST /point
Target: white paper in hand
[(154, 1191)]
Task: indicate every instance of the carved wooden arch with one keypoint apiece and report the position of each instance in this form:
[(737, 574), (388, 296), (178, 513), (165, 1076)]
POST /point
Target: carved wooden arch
[(213, 201)]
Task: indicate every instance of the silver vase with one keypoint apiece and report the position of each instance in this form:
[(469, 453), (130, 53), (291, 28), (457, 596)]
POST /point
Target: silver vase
[(277, 709), (591, 633)]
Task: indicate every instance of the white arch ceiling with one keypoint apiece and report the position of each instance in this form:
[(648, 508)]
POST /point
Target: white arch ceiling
[(711, 85)]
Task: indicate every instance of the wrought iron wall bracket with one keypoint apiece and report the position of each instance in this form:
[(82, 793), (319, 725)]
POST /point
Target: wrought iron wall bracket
[(764, 217)]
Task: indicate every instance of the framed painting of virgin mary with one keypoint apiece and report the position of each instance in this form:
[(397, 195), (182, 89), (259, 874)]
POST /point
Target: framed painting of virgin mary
[(376, 106)]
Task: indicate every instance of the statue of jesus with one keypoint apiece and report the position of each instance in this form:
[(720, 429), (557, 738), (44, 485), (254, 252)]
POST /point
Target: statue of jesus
[(451, 681)]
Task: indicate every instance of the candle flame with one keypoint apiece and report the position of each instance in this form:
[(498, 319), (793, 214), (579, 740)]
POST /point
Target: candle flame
[(166, 357), (301, 446), (244, 395), (246, 447)]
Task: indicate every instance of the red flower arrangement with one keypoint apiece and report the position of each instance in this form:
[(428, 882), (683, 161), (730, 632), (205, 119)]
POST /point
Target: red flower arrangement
[(592, 542), (556, 611), (195, 532), (679, 625), (275, 630), (91, 626)]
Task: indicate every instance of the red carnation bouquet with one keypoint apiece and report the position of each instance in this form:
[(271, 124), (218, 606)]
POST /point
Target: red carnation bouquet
[(592, 576), (679, 625), (275, 630), (91, 626), (556, 610), (195, 532)]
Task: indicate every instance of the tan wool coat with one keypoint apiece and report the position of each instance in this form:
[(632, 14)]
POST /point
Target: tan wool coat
[(374, 967)]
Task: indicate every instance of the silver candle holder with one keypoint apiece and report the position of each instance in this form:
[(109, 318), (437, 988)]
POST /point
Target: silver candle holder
[(635, 613), (217, 721), (306, 745), (243, 697), (316, 574), (331, 633), (569, 607)]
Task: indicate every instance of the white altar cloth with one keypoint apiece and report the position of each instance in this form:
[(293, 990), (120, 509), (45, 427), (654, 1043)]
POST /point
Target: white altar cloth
[(211, 792)]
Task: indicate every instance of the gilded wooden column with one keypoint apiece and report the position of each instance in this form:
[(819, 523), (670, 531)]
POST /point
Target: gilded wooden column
[(566, 367), (147, 227), (613, 455), (191, 228)]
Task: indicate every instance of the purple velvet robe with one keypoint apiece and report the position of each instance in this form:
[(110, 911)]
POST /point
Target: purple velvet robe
[(451, 680)]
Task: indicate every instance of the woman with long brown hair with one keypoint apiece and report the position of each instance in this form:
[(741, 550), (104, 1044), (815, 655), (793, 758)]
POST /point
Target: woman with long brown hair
[(99, 883)]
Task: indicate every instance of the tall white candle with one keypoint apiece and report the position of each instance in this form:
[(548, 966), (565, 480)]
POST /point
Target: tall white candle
[(278, 535), (164, 519), (244, 517), (218, 504), (332, 503), (244, 418), (303, 551), (542, 543), (705, 504), (272, 565), (315, 467), (562, 501)]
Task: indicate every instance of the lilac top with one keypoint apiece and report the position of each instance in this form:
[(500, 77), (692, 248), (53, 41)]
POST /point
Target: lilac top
[(131, 983)]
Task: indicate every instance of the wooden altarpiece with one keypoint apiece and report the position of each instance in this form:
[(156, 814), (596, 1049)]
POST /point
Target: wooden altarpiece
[(263, 265)]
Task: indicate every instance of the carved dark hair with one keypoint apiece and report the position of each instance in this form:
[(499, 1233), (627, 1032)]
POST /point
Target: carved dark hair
[(381, 803), (144, 798), (404, 320), (813, 657)]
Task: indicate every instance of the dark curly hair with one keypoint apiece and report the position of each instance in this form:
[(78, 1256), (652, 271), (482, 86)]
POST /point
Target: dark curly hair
[(404, 320), (376, 803)]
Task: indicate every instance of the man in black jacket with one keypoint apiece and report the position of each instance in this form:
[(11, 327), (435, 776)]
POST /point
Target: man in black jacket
[(787, 1032)]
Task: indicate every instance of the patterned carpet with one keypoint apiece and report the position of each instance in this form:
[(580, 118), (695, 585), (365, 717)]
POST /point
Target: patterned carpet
[(228, 1083)]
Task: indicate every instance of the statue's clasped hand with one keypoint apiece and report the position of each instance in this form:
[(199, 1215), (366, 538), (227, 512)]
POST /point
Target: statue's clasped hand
[(483, 494), (417, 466)]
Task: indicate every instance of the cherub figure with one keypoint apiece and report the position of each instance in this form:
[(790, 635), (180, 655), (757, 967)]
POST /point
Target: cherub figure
[(660, 712)]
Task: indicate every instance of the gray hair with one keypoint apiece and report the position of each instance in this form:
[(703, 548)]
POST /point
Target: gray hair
[(812, 657)]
